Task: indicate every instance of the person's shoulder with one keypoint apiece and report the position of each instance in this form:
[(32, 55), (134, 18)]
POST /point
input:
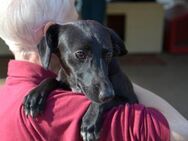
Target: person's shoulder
[(61, 102), (137, 121), (61, 113), (68, 95)]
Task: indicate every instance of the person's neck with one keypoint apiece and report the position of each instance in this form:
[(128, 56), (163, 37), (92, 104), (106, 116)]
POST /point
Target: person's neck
[(31, 57), (35, 58)]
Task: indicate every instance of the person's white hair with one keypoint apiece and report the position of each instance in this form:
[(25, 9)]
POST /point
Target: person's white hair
[(22, 21)]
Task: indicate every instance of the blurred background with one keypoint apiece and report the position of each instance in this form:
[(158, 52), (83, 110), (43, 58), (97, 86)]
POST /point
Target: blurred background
[(156, 35)]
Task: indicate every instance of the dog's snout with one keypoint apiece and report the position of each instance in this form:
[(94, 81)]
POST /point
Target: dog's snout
[(106, 96), (105, 89)]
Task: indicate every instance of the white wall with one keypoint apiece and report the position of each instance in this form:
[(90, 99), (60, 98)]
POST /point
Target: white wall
[(143, 25)]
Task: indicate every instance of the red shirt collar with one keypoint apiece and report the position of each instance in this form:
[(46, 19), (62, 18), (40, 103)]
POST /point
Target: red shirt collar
[(27, 70)]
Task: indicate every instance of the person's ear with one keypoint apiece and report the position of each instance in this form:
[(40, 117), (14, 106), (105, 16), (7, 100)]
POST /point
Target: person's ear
[(119, 48), (48, 44)]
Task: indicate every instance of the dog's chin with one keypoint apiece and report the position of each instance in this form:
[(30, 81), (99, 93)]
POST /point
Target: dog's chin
[(76, 90), (95, 98), (92, 98)]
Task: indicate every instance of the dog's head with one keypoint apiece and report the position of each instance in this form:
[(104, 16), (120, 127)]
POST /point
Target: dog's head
[(85, 50)]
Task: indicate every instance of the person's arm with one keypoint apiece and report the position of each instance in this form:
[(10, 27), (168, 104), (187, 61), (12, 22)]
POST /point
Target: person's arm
[(178, 124)]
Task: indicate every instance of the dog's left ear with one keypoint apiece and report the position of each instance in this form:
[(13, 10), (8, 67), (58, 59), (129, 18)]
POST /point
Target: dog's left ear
[(119, 48), (48, 44)]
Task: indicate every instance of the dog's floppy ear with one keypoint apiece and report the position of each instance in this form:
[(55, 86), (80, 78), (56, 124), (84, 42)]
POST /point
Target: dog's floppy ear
[(119, 47), (48, 44)]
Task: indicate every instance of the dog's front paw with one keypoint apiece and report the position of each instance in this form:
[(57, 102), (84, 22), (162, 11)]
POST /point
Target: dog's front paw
[(89, 132), (34, 103), (92, 123)]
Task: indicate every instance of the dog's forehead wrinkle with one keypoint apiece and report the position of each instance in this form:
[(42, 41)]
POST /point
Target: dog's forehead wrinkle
[(64, 46), (82, 40), (90, 30), (67, 43), (83, 28), (96, 35)]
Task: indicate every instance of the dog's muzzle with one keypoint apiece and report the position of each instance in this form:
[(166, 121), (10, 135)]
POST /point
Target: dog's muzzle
[(106, 92), (106, 96)]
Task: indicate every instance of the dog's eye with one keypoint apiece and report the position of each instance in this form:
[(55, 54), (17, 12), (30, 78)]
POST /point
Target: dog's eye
[(108, 56), (81, 55)]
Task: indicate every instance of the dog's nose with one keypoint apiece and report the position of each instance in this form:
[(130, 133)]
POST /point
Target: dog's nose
[(106, 96)]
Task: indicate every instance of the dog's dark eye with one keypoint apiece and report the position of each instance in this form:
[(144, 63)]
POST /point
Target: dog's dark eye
[(81, 55), (108, 56)]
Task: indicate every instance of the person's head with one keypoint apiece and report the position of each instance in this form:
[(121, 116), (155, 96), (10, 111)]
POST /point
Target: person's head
[(22, 23)]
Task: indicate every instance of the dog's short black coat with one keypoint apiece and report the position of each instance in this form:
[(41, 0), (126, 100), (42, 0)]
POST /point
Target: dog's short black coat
[(86, 50)]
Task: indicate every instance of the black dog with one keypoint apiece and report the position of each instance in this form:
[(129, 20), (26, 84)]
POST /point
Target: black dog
[(86, 50)]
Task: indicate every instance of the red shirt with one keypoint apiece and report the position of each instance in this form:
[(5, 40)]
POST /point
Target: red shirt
[(64, 110)]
